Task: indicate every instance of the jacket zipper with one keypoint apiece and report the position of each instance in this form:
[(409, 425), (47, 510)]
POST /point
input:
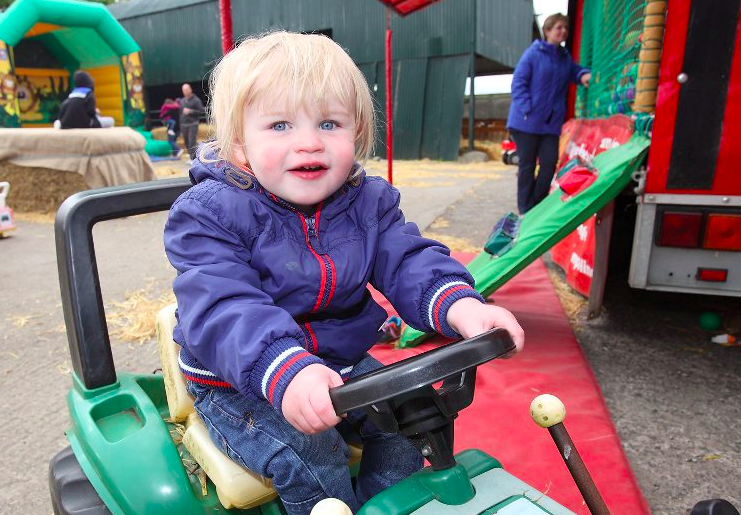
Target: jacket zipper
[(326, 289), (310, 226)]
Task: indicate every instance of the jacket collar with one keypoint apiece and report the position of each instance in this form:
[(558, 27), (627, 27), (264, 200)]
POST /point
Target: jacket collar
[(337, 203), (548, 48)]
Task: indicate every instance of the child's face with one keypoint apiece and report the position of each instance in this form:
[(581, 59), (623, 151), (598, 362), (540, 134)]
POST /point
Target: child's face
[(303, 157)]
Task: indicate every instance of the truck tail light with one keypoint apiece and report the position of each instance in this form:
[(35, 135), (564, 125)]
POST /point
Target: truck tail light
[(714, 275), (722, 232), (678, 229)]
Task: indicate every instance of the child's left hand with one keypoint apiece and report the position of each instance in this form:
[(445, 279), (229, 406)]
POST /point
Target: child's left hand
[(470, 317)]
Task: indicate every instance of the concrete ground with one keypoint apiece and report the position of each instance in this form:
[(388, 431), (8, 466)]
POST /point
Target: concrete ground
[(673, 395)]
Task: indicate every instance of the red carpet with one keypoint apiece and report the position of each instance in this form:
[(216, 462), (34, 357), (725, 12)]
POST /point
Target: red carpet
[(498, 422)]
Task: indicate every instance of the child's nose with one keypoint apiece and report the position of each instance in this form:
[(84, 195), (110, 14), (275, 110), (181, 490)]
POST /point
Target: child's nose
[(308, 140)]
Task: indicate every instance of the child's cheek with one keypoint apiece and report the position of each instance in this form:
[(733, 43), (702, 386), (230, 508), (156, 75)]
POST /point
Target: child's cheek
[(266, 156), (272, 159)]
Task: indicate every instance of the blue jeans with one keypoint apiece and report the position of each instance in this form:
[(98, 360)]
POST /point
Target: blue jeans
[(530, 149), (305, 468), (172, 138)]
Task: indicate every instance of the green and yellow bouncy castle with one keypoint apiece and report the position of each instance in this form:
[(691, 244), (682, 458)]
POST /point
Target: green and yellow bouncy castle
[(43, 42)]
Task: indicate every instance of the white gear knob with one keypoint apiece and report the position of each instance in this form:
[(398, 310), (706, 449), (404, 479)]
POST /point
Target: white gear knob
[(547, 410), (330, 506)]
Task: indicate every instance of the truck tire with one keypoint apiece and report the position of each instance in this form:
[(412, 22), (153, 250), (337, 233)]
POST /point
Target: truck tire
[(71, 491)]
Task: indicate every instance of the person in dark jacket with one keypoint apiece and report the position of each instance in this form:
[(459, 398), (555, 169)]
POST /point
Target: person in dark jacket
[(538, 108), (78, 110), (191, 109), (275, 245)]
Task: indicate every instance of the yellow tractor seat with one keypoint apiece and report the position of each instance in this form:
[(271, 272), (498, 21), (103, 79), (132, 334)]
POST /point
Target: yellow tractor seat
[(236, 486)]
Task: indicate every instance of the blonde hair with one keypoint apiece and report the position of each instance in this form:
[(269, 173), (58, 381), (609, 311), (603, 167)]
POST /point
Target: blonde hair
[(302, 68)]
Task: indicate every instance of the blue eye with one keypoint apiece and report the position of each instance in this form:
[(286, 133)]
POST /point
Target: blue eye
[(327, 125), (280, 126)]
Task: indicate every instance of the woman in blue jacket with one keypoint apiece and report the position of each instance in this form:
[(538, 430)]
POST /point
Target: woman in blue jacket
[(538, 108)]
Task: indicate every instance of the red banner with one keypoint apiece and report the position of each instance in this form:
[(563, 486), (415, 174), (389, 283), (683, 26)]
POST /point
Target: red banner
[(585, 139)]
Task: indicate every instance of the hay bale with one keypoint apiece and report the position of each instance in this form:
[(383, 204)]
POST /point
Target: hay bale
[(159, 133), (40, 190), (205, 132)]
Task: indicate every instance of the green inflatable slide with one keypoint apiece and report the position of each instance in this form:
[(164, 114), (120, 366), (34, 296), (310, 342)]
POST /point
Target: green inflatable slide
[(550, 221)]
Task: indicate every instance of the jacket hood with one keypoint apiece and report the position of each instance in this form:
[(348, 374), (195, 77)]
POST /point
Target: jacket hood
[(201, 171), (223, 171), (83, 79)]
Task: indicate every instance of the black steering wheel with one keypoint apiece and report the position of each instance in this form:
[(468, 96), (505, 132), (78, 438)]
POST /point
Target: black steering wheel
[(400, 397)]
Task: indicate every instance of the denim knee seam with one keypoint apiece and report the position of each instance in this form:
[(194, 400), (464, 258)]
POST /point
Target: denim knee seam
[(322, 490), (223, 443)]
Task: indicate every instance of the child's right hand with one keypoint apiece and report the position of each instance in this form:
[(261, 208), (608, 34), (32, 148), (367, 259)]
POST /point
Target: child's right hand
[(306, 403)]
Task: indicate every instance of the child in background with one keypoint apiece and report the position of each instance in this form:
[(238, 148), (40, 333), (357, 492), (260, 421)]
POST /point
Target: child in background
[(275, 245), (169, 114), (78, 111)]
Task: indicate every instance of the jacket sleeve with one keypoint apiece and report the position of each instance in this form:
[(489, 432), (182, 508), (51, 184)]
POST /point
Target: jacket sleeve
[(90, 111), (198, 105), (229, 324), (577, 71), (416, 274), (63, 112), (521, 83)]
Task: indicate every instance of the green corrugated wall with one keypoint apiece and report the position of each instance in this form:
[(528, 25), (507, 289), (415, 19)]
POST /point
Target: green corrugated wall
[(432, 50), (502, 30), (177, 45)]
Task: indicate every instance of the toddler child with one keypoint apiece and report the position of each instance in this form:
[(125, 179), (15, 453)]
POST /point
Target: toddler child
[(169, 114), (275, 245)]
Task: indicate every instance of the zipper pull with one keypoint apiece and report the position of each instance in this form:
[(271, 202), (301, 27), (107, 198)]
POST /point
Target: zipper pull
[(310, 223)]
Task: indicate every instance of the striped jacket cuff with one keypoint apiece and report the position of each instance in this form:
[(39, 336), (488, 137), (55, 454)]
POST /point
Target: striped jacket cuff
[(278, 365), (439, 297), (193, 371)]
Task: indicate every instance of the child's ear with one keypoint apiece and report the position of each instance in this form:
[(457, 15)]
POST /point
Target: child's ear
[(238, 152)]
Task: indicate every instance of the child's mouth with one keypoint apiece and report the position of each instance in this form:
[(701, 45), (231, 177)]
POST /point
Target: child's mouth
[(308, 172)]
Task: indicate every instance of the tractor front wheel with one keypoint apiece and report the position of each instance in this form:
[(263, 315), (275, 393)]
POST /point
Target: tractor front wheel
[(71, 491)]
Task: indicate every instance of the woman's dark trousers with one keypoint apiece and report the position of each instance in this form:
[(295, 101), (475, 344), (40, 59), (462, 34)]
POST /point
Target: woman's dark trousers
[(532, 148)]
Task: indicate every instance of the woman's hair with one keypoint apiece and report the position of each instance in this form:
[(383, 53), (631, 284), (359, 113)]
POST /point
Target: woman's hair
[(168, 101), (553, 19), (303, 69)]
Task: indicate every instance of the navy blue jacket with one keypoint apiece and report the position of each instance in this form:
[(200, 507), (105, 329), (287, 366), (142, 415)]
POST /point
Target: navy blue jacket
[(539, 88), (264, 290), (78, 110)]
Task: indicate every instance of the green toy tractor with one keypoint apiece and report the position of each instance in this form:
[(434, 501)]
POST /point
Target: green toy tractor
[(137, 447)]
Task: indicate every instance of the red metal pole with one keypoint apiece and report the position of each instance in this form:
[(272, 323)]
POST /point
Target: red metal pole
[(389, 101), (225, 16)]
